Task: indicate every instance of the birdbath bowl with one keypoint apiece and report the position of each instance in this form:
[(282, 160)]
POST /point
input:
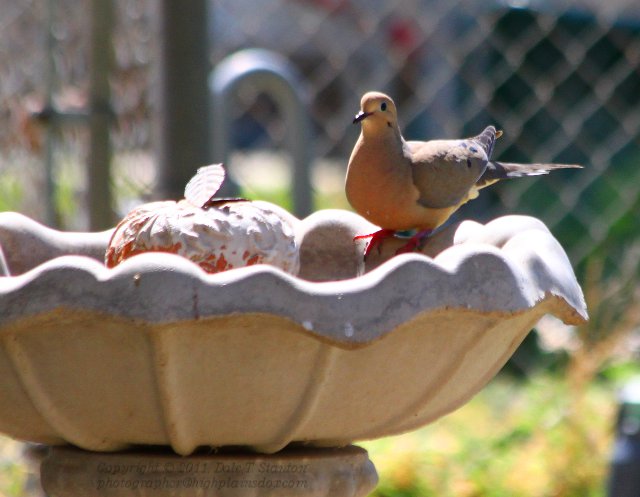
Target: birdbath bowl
[(254, 362)]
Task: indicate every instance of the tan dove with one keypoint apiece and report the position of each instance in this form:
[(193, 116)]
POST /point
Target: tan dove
[(405, 185)]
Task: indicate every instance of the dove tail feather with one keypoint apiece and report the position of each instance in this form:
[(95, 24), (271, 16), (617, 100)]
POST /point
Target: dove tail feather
[(496, 171)]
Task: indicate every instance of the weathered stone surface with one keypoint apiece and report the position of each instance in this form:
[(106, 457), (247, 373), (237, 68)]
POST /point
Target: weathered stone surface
[(222, 237), (295, 472), (157, 352)]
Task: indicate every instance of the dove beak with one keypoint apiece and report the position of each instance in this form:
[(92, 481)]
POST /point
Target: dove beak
[(361, 116)]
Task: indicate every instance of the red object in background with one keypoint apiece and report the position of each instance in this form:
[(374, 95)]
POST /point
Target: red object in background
[(404, 35)]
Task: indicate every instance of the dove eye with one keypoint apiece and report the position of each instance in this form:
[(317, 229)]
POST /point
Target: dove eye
[(383, 106)]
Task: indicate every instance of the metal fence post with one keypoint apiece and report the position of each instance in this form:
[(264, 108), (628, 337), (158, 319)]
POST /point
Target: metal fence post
[(52, 216), (182, 139), (100, 116)]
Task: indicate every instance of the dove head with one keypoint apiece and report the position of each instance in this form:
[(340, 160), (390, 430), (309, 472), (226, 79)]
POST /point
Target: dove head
[(377, 113)]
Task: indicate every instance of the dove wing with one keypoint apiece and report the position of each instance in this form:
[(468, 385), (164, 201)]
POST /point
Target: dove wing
[(445, 171)]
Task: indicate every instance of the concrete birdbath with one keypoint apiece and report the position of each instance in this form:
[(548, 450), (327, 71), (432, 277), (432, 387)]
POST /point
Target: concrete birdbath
[(274, 375)]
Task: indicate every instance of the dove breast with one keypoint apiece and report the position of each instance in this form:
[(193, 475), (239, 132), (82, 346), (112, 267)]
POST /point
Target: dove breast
[(227, 236)]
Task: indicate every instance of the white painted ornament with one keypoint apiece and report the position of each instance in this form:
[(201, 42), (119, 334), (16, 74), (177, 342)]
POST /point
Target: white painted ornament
[(216, 234)]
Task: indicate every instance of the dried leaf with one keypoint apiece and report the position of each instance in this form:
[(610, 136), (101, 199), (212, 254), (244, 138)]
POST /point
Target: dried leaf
[(204, 185)]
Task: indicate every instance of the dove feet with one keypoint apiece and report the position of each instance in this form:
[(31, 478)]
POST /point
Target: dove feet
[(415, 242), (375, 239)]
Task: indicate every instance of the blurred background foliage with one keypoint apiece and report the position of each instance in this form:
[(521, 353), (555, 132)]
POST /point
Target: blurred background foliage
[(562, 79)]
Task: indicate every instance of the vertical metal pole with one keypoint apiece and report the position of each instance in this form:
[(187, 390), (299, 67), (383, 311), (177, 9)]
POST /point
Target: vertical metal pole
[(51, 215), (100, 116), (182, 140)]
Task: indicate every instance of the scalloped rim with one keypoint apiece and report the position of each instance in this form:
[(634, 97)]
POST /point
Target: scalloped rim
[(165, 287)]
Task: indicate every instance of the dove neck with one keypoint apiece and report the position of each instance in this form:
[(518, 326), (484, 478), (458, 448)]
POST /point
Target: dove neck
[(387, 136)]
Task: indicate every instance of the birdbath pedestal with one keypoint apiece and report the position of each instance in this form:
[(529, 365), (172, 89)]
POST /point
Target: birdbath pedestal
[(171, 381), (293, 472)]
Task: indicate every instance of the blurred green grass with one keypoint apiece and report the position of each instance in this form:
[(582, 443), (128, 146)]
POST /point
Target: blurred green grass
[(18, 475), (514, 439), (261, 175)]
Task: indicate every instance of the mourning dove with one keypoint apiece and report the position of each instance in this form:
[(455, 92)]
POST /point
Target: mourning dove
[(405, 185)]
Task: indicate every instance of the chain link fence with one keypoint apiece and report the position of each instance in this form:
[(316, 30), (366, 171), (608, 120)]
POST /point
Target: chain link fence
[(561, 79)]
